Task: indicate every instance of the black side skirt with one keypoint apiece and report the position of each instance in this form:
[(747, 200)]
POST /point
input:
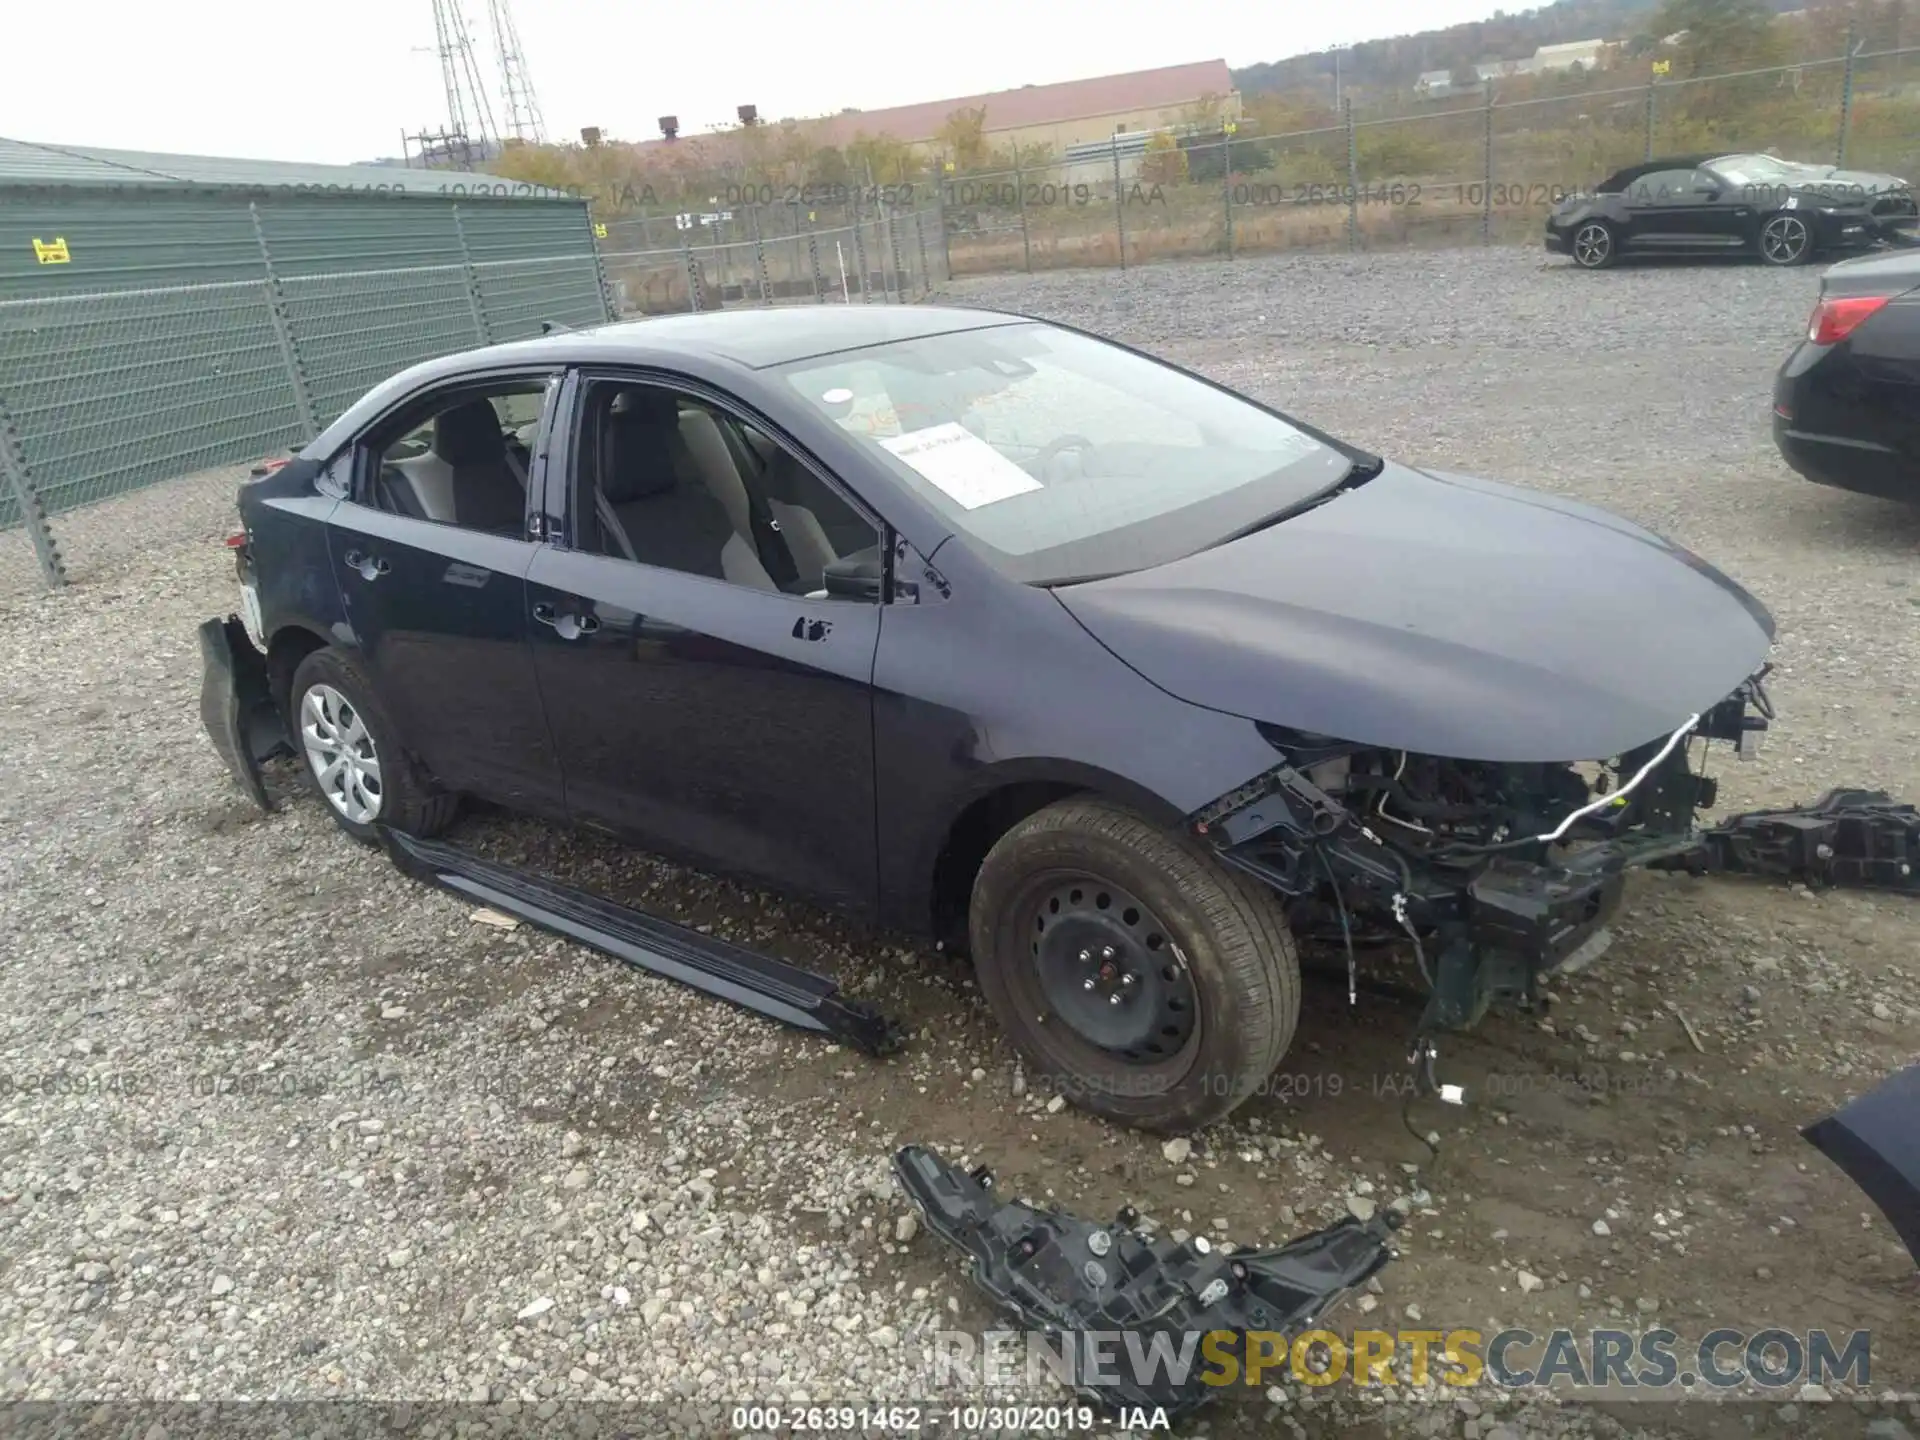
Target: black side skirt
[(760, 983)]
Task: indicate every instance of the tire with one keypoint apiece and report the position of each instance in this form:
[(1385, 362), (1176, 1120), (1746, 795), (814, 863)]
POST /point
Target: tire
[(1181, 928), (333, 711), (1785, 239), (1594, 246)]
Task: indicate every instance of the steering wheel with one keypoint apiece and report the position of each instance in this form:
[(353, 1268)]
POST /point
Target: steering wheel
[(1060, 446)]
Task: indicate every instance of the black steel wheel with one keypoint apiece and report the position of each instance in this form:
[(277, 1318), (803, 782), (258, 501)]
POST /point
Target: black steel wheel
[(1137, 975), (1106, 967)]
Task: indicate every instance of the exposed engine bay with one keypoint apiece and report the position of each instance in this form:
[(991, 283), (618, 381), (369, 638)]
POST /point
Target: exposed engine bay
[(1496, 875)]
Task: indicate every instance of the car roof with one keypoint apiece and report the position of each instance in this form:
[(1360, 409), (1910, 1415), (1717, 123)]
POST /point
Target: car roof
[(754, 338), (1629, 173)]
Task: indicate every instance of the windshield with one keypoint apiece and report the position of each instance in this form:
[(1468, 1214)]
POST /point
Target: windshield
[(1061, 456), (1754, 169)]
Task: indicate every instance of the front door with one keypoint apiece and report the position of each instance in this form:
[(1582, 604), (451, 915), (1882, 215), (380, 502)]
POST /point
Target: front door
[(431, 555), (707, 679), (1684, 210)]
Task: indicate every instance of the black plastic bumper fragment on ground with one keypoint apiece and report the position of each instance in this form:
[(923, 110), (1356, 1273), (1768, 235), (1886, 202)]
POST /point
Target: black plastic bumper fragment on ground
[(1068, 1278), (1846, 837), (756, 982)]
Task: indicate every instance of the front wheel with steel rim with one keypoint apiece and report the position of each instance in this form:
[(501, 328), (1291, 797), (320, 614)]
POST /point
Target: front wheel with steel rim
[(1786, 240), (1593, 246), (1137, 976), (352, 755)]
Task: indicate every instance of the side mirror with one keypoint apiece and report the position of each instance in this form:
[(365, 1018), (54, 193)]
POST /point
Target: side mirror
[(856, 577)]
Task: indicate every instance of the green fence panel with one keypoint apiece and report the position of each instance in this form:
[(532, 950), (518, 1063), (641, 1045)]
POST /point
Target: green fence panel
[(354, 330), (111, 392), (506, 230), (121, 238), (518, 295), (330, 235)]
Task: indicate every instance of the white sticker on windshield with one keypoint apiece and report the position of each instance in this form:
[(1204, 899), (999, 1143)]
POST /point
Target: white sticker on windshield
[(961, 464), (839, 395)]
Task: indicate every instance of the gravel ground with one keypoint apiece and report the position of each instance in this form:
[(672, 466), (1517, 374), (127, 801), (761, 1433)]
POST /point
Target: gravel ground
[(280, 1124)]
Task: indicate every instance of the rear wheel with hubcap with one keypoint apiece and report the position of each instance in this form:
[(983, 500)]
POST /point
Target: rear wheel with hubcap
[(352, 754), (1137, 975)]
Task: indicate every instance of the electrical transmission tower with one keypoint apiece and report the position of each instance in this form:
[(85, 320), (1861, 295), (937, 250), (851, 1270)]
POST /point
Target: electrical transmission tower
[(523, 119), (469, 116)]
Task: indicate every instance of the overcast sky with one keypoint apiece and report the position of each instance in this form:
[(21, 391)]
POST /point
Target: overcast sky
[(339, 82)]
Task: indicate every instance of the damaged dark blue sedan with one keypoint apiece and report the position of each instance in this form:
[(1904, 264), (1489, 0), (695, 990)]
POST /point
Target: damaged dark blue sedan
[(1001, 633)]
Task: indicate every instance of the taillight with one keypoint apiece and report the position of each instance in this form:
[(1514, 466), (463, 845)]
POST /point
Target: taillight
[(1836, 318), (237, 540)]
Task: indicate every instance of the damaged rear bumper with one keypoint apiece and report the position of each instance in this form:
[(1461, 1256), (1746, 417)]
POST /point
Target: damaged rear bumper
[(236, 704)]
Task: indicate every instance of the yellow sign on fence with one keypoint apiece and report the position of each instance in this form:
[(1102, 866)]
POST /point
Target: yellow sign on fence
[(1662, 67), (54, 254)]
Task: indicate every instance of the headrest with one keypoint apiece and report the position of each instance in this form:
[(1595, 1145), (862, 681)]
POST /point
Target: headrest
[(468, 434), (648, 402), (636, 439)]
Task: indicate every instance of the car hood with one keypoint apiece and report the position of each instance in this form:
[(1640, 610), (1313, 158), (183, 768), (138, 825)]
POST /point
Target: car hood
[(1445, 615), (1869, 180)]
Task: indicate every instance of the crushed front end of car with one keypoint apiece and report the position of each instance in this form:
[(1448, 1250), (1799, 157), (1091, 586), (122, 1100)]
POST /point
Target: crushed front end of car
[(1496, 875)]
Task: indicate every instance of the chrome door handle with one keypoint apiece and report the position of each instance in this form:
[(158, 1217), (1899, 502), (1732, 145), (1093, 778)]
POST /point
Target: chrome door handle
[(369, 567)]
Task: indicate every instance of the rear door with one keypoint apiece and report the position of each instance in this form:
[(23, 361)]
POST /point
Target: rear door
[(431, 553), (708, 684)]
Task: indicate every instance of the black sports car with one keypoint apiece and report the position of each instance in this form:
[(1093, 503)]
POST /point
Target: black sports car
[(1782, 211), (995, 631), (1846, 405)]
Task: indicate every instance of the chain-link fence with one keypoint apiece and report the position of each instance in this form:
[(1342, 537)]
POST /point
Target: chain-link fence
[(1473, 169), (877, 247)]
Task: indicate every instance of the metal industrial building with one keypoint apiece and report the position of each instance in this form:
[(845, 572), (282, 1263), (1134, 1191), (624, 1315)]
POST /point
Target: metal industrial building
[(163, 314)]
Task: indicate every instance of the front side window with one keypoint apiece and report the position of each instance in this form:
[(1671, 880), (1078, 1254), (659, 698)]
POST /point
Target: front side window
[(1754, 170), (462, 459), (1062, 456), (669, 480)]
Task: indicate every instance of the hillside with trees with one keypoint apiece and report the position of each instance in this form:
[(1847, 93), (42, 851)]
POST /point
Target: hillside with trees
[(1735, 32)]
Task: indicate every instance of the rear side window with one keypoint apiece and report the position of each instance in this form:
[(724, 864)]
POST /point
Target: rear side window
[(463, 459)]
